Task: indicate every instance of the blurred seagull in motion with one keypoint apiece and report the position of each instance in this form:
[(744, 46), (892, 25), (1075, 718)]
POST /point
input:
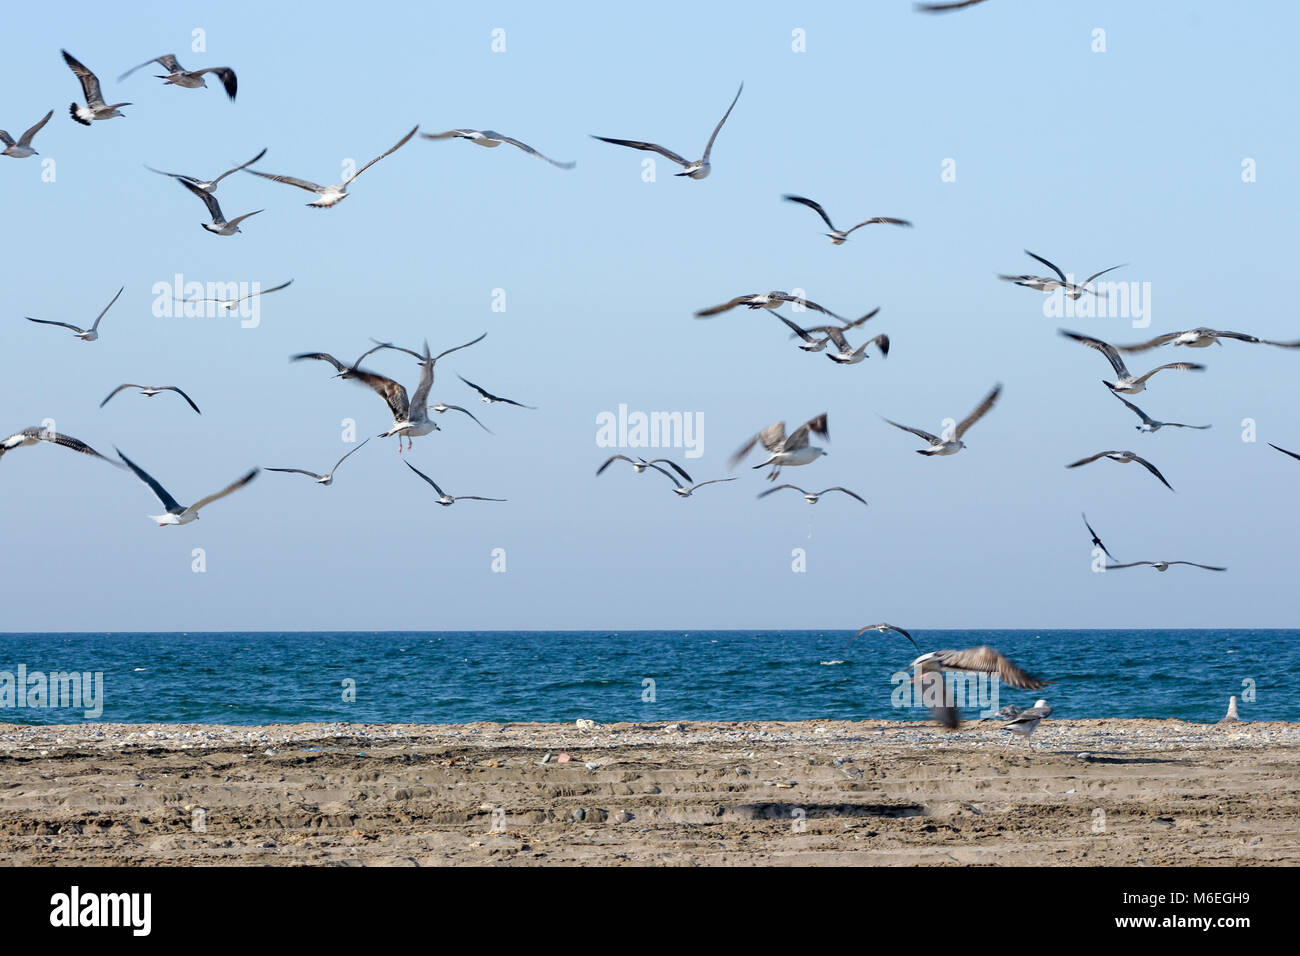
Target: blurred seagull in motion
[(1162, 565), (1201, 338), (1127, 382), (1024, 722), (810, 336), (812, 497), (86, 335), (34, 434), (950, 446), (882, 628), (95, 108), (23, 148), (326, 479), (1149, 424), (489, 398), (786, 450), (1123, 457), (150, 391), (936, 692), (177, 75), (177, 513), (207, 185), (838, 237), (327, 196), (410, 415), (640, 464), (1050, 285), (445, 499), (695, 170), (765, 300), (219, 226), (490, 139), (847, 355)]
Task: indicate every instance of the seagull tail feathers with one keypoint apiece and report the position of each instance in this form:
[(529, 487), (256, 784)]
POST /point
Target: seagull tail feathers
[(72, 111)]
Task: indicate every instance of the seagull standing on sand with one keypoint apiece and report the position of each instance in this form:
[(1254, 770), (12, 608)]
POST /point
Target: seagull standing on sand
[(1123, 457), (950, 446), (838, 237), (219, 226), (150, 391), (812, 497), (177, 75), (177, 513), (207, 185), (327, 196), (640, 464), (491, 138), (95, 108), (1201, 338), (34, 434), (326, 479), (786, 450), (1051, 285), (1149, 424), (86, 335), (695, 170), (1025, 722), (1127, 382), (445, 499), (23, 148)]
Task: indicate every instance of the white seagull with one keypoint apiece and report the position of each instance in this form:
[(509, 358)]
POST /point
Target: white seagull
[(177, 75), (1023, 723), (847, 355), (326, 479), (327, 196), (410, 416), (837, 236), (1123, 457), (34, 434), (1050, 285), (23, 148), (86, 335), (1127, 382), (812, 497), (1201, 338), (766, 300), (786, 450), (1149, 424), (150, 391), (230, 304), (811, 341), (640, 464), (685, 491), (207, 185), (950, 446), (95, 108), (491, 138), (219, 226), (882, 628), (696, 170), (1162, 565), (445, 499), (177, 513)]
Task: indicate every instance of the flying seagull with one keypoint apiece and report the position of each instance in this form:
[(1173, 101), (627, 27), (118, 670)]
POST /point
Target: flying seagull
[(489, 398), (1004, 713), (86, 335), (1127, 382), (950, 446), (1096, 541), (152, 390), (327, 196), (23, 148), (1025, 722), (765, 300), (445, 499), (1284, 451), (847, 355), (410, 416), (219, 226), (1123, 457), (491, 138), (883, 629), (1149, 424), (786, 450), (207, 185), (397, 348), (177, 513), (1162, 565), (811, 342), (696, 170), (837, 237), (230, 304), (685, 491), (1200, 338), (812, 497), (95, 108), (34, 434), (177, 75), (341, 370), (327, 478), (937, 694), (640, 464), (945, 7), (440, 408), (1051, 285)]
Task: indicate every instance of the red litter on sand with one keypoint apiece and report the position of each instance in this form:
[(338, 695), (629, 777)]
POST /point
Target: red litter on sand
[(563, 758)]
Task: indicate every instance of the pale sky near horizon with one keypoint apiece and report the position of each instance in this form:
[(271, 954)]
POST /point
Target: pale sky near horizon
[(1131, 155)]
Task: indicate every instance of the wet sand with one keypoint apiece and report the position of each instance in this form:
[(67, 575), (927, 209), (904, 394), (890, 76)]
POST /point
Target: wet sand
[(1090, 792)]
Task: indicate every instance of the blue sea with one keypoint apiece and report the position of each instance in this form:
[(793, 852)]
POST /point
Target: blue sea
[(455, 677)]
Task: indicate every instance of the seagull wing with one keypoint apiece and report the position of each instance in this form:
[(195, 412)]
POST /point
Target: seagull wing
[(106, 308), (290, 181), (1239, 336), (799, 438), (815, 207), (209, 200), (1048, 264), (493, 398), (609, 461), (226, 75), (1131, 564), (420, 399), (471, 415), (651, 147), (945, 7), (964, 425), (1096, 540), (923, 435), (1089, 460), (856, 322), (66, 441), (229, 489), (876, 219), (1146, 419), (802, 333), (170, 503), (1101, 273), (872, 627), (673, 465), (764, 494), (1150, 343), (1105, 348), (530, 151), (176, 389), (26, 138), (1285, 452), (1207, 567), (89, 81), (392, 149), (717, 129), (297, 471), (425, 477), (1151, 468), (390, 391), (459, 347), (851, 494), (711, 481), (321, 356), (807, 304), (167, 61), (1182, 366), (115, 391), (237, 169), (345, 457), (65, 325), (726, 306), (989, 660)]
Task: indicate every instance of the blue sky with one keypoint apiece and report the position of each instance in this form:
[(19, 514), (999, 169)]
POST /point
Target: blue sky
[(1132, 155)]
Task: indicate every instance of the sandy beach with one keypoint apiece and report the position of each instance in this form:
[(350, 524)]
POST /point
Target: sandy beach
[(1126, 792)]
